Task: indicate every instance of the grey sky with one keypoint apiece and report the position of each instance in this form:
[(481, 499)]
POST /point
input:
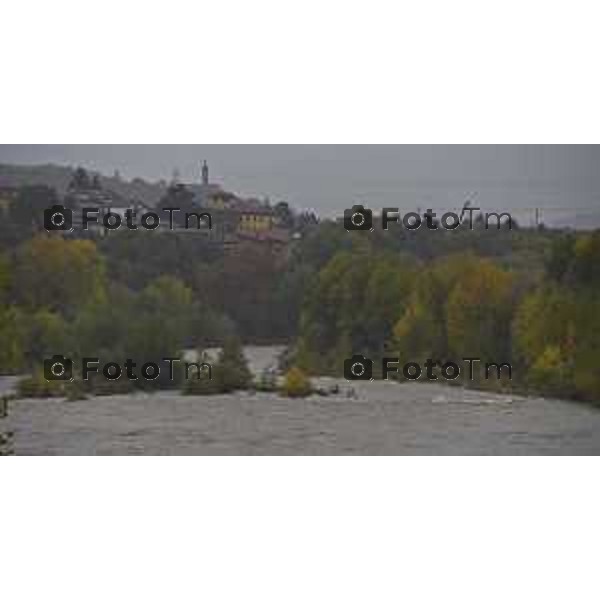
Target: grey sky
[(331, 178)]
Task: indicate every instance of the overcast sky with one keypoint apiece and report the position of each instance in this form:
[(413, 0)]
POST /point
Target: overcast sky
[(331, 178)]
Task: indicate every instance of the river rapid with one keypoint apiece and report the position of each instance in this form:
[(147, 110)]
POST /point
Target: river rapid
[(376, 418)]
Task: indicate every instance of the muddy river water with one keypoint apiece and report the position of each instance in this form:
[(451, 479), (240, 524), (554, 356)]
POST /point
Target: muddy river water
[(376, 418)]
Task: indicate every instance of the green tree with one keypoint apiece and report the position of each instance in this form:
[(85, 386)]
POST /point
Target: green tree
[(586, 266), (27, 210), (46, 334), (552, 372), (545, 318), (561, 257), (479, 313), (422, 331), (5, 278), (556, 333), (232, 371), (166, 309), (585, 346), (12, 340), (244, 287), (356, 300), (58, 274)]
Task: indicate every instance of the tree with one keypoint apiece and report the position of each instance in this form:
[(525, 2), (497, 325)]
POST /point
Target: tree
[(104, 326), (552, 372), (27, 210), (232, 371), (386, 297), (80, 180), (329, 328), (422, 330), (58, 274), (545, 318), (585, 346), (230, 374), (5, 279), (479, 313), (201, 383), (11, 340), (46, 334), (284, 214), (586, 265), (170, 256), (352, 308), (165, 311), (561, 257), (244, 287)]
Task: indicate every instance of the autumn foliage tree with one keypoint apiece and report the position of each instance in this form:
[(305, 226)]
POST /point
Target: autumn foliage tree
[(479, 312), (58, 274), (352, 307)]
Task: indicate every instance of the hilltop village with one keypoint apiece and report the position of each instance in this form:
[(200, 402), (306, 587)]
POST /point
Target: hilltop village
[(237, 222)]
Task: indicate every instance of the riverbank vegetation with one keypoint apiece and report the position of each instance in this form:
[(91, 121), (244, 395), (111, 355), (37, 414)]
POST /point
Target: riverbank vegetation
[(528, 296), (543, 316)]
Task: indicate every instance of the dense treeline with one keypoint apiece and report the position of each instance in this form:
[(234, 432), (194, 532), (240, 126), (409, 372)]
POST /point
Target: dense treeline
[(125, 296), (529, 297), (536, 306), (79, 297)]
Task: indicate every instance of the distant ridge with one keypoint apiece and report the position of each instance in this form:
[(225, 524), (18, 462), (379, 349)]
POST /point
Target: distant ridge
[(559, 215), (58, 177)]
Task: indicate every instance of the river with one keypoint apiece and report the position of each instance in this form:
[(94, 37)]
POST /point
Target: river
[(381, 419)]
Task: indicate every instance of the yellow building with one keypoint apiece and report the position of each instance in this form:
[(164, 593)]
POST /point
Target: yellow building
[(255, 217), (238, 216), (251, 215)]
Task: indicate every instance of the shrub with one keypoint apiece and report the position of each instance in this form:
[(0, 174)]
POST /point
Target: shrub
[(232, 372), (6, 444), (36, 386), (296, 384), (551, 373), (75, 391), (267, 382), (202, 386)]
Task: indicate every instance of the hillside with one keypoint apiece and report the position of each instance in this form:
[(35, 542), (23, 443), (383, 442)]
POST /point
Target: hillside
[(59, 177)]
